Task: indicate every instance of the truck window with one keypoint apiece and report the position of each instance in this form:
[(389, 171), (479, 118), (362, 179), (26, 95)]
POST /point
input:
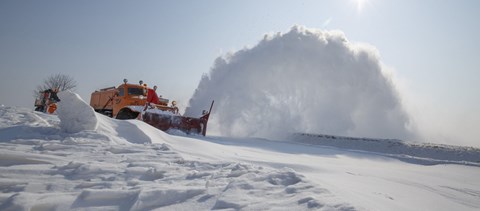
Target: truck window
[(121, 91), (135, 91)]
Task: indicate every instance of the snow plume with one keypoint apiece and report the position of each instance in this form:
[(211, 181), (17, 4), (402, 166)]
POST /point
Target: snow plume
[(305, 80)]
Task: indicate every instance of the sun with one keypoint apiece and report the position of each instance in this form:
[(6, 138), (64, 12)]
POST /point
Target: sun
[(360, 4)]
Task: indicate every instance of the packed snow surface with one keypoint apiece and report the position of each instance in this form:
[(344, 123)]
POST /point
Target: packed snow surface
[(129, 165)]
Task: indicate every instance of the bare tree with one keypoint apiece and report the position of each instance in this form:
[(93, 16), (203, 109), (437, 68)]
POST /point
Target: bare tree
[(60, 81)]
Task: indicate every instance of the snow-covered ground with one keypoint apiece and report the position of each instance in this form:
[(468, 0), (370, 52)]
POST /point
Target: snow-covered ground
[(80, 160)]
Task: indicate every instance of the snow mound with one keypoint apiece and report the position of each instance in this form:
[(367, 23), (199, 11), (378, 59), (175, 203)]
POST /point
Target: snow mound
[(75, 114), (129, 131)]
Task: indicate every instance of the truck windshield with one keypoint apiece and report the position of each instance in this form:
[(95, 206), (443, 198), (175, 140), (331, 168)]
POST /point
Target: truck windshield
[(121, 92), (135, 91)]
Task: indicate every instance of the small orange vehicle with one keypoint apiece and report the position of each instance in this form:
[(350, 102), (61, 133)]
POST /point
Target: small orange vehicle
[(138, 101), (47, 101)]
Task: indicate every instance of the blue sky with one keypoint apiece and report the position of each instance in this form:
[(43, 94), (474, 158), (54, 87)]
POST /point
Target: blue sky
[(431, 45)]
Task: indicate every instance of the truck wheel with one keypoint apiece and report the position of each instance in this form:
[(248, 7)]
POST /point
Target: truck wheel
[(127, 114)]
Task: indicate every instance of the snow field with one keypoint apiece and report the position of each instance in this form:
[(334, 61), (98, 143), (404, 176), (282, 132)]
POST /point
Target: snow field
[(129, 165), (117, 167), (365, 180)]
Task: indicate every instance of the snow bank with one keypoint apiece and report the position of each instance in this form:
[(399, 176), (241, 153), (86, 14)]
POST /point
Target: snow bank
[(304, 80), (75, 114), (424, 153), (129, 131)]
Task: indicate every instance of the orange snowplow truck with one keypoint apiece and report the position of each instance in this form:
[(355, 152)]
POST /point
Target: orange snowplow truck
[(137, 101)]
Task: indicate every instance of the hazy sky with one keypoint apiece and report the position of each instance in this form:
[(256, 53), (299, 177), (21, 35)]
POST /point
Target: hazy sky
[(431, 46)]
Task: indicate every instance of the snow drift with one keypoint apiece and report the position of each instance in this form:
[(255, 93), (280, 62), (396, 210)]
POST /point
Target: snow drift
[(75, 114), (305, 80)]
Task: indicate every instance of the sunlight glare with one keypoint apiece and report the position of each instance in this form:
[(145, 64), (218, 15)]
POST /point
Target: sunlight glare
[(360, 4)]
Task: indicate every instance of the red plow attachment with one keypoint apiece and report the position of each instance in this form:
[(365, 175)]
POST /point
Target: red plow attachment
[(189, 125)]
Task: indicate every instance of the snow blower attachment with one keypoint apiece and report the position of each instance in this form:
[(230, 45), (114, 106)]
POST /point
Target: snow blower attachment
[(138, 101), (165, 121)]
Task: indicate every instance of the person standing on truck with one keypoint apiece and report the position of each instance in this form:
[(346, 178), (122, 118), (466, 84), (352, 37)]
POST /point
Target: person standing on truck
[(152, 98), (174, 106)]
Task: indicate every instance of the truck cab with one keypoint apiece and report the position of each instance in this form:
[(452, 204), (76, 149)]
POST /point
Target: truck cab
[(124, 102)]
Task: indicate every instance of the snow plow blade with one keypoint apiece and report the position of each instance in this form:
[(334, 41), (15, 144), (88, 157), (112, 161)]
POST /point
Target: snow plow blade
[(189, 125)]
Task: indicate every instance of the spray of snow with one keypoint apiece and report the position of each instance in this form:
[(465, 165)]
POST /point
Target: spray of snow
[(75, 114), (305, 80)]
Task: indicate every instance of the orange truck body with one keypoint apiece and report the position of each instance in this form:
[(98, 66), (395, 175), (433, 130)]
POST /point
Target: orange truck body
[(100, 100), (129, 101), (110, 101)]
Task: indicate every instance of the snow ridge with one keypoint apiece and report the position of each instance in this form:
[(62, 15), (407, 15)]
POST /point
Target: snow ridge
[(424, 153)]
